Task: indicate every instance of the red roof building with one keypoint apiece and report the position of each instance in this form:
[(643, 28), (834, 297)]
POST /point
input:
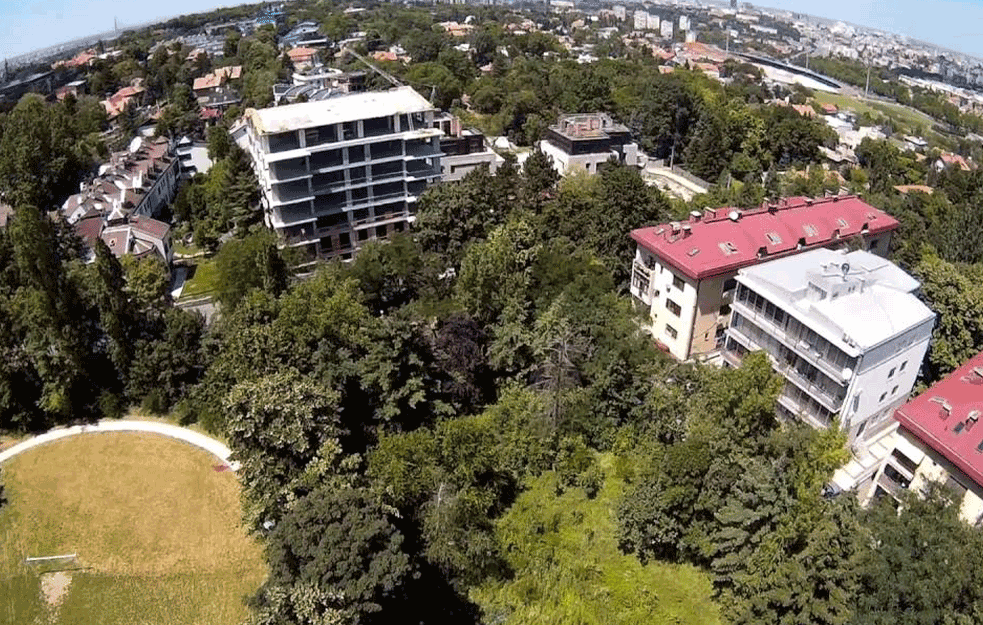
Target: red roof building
[(938, 440), (945, 418), (685, 270)]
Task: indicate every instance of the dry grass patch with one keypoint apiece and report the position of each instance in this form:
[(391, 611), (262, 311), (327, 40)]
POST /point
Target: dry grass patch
[(152, 522)]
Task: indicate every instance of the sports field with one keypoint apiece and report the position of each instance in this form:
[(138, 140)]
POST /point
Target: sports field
[(906, 116), (156, 528)]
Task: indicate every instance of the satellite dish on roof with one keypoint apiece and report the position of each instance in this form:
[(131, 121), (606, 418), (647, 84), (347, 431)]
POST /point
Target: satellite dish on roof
[(734, 215), (847, 373), (845, 268)]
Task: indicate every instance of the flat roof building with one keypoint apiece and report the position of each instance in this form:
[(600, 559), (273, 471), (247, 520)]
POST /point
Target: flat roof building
[(684, 272), (845, 329), (586, 141), (338, 172), (463, 149)]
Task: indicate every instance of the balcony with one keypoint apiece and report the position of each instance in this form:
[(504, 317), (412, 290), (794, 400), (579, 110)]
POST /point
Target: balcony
[(803, 411), (792, 341), (831, 401), (423, 173), (285, 171)]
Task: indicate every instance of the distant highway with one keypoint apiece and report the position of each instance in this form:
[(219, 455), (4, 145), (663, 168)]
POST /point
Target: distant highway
[(795, 69)]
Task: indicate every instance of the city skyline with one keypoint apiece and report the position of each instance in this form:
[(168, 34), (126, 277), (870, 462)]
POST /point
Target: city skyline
[(33, 25)]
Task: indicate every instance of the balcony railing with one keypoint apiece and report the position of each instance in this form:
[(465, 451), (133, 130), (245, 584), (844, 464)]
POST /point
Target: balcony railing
[(792, 341), (802, 411), (832, 402)]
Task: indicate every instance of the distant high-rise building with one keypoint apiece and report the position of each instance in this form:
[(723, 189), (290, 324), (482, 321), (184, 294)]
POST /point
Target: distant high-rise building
[(666, 29), (683, 22), (641, 20)]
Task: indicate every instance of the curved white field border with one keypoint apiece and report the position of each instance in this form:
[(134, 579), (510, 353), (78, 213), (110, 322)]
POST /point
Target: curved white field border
[(209, 444)]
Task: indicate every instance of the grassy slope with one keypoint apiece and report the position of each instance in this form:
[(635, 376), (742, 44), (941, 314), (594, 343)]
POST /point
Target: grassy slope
[(907, 116), (156, 526), (204, 280), (574, 571)]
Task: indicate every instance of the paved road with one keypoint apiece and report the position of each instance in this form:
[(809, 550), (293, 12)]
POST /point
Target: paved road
[(209, 444)]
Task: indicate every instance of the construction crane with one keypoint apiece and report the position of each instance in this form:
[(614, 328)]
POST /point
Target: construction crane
[(392, 79)]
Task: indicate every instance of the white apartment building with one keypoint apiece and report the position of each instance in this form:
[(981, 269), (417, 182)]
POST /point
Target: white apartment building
[(845, 329), (684, 272), (339, 172)]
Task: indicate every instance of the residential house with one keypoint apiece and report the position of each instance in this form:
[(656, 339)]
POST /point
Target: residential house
[(118, 102), (303, 58), (948, 159), (587, 141), (139, 181), (684, 272), (463, 149)]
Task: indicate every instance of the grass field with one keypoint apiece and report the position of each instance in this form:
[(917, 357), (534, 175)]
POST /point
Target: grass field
[(204, 280), (904, 115), (157, 531)]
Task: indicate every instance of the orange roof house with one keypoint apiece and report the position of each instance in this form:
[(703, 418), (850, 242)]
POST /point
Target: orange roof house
[(118, 101)]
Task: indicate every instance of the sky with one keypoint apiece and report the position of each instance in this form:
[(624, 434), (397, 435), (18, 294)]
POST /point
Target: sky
[(29, 24)]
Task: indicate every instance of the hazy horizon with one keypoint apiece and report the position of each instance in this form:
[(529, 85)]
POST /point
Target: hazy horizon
[(32, 25)]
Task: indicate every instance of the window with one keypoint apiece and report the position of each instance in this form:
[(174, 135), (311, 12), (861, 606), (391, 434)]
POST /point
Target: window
[(730, 284), (903, 365), (673, 307), (883, 397), (678, 282), (356, 154), (727, 248), (810, 230), (725, 310), (344, 239), (894, 391), (890, 374), (363, 235), (773, 238), (671, 332), (350, 130), (380, 232)]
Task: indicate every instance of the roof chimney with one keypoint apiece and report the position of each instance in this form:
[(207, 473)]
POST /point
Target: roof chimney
[(687, 230), (675, 225), (694, 216), (944, 408), (708, 214)]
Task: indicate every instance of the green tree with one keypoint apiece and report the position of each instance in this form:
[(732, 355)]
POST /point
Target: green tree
[(165, 367), (958, 301), (250, 263), (335, 558), (277, 426), (923, 566), (38, 162)]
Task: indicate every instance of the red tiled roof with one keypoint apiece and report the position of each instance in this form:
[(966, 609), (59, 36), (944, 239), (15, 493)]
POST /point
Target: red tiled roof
[(940, 417), (301, 54), (778, 230), (214, 79), (804, 109), (89, 229), (209, 113), (149, 226)]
